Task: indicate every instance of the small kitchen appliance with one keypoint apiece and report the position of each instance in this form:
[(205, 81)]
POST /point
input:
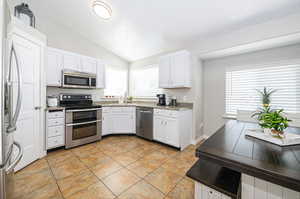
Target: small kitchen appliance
[(52, 101), (161, 99)]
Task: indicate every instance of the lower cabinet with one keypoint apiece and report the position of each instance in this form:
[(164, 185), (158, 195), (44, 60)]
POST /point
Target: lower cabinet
[(173, 127), (118, 120), (55, 128), (204, 192)]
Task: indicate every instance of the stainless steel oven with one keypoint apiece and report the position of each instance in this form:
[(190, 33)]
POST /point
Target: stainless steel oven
[(75, 79), (83, 126)]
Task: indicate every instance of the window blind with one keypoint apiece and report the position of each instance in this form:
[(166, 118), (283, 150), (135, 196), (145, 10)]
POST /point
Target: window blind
[(144, 81), (115, 82), (240, 91)]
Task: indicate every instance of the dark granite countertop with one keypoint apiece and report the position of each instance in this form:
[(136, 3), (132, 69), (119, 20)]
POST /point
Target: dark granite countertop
[(230, 148)]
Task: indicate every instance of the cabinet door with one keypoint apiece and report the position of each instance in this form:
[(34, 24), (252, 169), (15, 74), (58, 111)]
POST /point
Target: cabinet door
[(106, 124), (123, 123), (159, 129), (54, 67), (71, 61), (100, 74), (164, 72), (179, 65), (88, 65), (171, 131)]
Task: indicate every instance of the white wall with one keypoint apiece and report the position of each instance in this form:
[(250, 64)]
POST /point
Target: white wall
[(256, 32), (214, 80), (61, 37), (193, 95)]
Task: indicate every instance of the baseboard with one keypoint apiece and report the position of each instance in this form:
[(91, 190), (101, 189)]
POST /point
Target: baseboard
[(195, 141)]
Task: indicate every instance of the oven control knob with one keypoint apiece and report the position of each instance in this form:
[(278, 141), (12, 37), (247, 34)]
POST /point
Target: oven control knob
[(69, 96)]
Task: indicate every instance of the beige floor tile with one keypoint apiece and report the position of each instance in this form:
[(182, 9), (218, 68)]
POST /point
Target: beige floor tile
[(187, 156), (176, 166), (163, 179), (75, 183), (143, 167), (126, 158), (157, 156), (169, 151), (120, 181), (50, 191), (183, 190), (105, 168), (93, 159), (142, 190), (96, 191), (67, 168), (141, 151), (27, 183), (85, 150), (59, 156), (35, 167)]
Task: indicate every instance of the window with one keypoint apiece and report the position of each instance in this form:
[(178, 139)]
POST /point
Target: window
[(241, 85), (144, 81), (116, 81)]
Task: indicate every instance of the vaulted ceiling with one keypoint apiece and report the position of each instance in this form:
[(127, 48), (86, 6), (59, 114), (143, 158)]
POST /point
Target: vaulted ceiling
[(142, 28)]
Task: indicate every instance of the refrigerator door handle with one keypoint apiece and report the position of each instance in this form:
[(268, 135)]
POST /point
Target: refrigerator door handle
[(14, 117), (11, 167)]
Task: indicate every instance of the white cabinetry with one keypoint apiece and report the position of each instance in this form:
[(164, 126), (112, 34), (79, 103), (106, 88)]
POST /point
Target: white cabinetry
[(58, 60), (204, 192), (173, 127), (254, 188), (100, 74), (118, 120), (175, 70), (55, 128), (54, 67), (88, 65), (71, 61)]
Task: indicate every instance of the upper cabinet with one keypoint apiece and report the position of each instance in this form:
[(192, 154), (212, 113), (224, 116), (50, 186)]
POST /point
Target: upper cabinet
[(54, 67), (88, 65), (71, 61), (100, 74), (58, 60), (175, 70)]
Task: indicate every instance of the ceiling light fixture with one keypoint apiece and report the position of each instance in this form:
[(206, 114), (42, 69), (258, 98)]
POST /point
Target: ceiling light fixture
[(102, 9)]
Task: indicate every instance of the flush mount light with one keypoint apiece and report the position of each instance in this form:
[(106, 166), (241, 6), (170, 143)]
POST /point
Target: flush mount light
[(102, 9)]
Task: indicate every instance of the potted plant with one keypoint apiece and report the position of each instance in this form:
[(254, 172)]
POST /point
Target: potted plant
[(276, 122), (266, 96), (266, 108)]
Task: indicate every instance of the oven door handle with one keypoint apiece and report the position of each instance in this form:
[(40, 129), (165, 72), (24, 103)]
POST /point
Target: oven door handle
[(82, 123), (83, 110)]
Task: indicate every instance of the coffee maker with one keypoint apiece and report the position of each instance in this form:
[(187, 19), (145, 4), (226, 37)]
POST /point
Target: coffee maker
[(161, 99)]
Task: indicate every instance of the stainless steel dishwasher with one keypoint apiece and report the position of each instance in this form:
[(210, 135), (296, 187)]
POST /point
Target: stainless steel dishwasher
[(144, 122)]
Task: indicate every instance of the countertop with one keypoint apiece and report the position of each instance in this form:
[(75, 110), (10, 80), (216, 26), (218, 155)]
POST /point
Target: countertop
[(54, 108), (230, 148), (181, 106)]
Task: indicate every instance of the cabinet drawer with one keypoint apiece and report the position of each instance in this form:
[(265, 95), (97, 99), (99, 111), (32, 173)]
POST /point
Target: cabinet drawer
[(56, 131), (166, 113), (56, 122), (55, 141), (106, 109), (56, 114)]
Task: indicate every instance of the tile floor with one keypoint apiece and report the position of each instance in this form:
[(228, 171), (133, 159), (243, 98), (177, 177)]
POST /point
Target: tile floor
[(120, 167)]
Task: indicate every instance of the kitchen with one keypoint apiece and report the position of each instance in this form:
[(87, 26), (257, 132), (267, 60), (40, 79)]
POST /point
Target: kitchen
[(98, 107)]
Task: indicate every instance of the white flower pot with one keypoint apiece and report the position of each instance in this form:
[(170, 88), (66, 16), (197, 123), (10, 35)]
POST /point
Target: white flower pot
[(267, 131)]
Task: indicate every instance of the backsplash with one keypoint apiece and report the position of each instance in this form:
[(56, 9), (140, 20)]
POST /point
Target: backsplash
[(97, 94)]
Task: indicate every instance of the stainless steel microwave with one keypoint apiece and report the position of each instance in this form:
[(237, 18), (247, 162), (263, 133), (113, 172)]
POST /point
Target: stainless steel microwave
[(76, 79)]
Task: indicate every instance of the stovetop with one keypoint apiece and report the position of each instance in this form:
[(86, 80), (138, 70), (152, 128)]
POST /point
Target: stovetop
[(80, 106), (77, 101)]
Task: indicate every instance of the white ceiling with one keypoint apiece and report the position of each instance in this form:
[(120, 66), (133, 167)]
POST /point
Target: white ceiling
[(142, 28)]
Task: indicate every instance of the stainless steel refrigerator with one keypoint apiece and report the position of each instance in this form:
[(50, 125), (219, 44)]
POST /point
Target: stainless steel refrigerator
[(10, 103)]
